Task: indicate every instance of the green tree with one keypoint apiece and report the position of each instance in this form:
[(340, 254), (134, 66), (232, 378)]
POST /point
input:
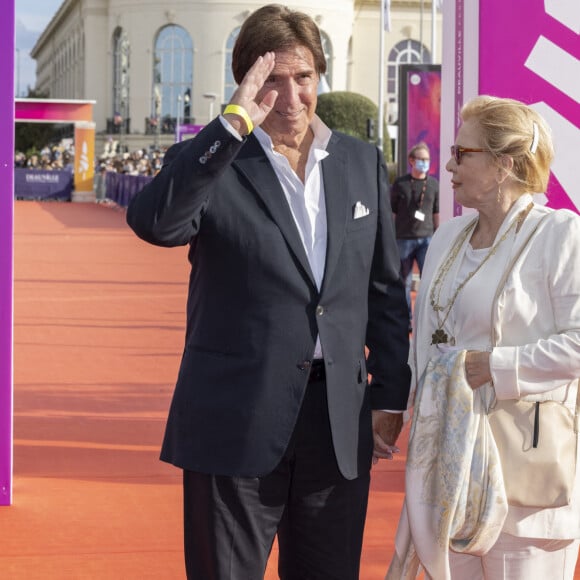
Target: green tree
[(31, 137), (351, 113)]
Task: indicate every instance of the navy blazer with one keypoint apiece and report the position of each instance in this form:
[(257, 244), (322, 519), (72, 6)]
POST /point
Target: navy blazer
[(254, 311)]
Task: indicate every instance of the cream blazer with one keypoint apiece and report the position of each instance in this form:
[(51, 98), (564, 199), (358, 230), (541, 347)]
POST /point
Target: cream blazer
[(536, 322)]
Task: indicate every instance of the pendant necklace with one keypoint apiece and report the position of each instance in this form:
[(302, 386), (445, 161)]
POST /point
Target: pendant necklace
[(443, 310)]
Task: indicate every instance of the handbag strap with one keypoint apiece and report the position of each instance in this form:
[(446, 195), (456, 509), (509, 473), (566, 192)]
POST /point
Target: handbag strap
[(500, 286)]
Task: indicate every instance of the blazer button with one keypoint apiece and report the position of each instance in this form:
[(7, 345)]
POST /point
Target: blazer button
[(304, 365), (320, 310)]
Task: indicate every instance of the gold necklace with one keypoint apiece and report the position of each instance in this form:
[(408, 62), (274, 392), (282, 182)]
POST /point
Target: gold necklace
[(440, 336)]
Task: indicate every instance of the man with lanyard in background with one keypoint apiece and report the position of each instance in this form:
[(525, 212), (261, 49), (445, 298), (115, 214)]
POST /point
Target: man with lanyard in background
[(415, 205)]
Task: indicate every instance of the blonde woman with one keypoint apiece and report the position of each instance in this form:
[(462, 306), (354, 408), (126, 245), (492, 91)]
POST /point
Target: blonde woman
[(497, 318)]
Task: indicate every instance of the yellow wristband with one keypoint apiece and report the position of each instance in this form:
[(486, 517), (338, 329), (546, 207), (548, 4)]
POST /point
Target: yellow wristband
[(241, 112)]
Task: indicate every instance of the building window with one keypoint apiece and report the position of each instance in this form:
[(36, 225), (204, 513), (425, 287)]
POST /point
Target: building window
[(121, 55), (327, 48), (172, 78), (404, 52), (229, 82)]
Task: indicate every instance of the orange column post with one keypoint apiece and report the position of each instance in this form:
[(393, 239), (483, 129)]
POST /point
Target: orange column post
[(84, 171)]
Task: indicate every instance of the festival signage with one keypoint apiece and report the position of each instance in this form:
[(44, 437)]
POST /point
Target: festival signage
[(530, 53), (542, 69), (79, 113), (84, 160), (419, 113), (43, 184)]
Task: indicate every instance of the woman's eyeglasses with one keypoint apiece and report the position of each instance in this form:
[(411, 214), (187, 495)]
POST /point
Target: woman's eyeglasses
[(457, 152)]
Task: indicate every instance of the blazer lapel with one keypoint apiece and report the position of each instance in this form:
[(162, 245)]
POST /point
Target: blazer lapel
[(254, 164), (337, 207)]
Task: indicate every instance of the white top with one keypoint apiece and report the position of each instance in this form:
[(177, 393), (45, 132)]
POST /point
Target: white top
[(306, 200)]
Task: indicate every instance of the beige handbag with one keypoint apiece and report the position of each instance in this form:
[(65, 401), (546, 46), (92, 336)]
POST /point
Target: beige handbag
[(537, 448), (536, 441)]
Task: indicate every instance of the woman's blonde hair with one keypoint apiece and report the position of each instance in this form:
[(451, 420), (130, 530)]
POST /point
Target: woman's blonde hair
[(512, 128)]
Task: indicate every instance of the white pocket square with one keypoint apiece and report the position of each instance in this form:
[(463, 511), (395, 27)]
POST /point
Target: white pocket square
[(359, 210)]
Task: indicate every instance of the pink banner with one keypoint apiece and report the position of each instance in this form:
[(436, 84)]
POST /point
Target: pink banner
[(530, 50), (53, 111)]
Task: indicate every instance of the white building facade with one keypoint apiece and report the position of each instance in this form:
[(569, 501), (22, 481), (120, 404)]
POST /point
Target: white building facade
[(151, 65)]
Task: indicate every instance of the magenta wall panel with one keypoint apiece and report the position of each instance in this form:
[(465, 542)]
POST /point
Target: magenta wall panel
[(6, 245)]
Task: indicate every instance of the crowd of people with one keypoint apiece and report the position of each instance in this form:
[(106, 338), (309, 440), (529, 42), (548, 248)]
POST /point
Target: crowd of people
[(112, 159), (138, 162), (60, 156)]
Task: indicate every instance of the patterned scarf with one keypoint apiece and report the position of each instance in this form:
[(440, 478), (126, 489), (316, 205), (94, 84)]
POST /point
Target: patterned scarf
[(454, 492)]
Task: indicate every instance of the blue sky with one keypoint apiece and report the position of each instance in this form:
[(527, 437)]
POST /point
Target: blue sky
[(31, 18)]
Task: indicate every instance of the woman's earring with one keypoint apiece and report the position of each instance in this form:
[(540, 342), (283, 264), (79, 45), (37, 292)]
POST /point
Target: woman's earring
[(499, 196)]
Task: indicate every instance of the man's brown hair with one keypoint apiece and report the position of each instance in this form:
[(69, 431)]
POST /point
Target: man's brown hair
[(273, 28)]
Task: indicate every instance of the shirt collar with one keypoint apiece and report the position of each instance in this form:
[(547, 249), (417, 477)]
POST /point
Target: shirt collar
[(321, 132)]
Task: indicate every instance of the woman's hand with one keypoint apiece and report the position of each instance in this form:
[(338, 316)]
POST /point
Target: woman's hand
[(386, 429), (246, 95), (477, 371)]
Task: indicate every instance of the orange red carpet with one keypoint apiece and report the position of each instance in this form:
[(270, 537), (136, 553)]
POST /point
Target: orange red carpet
[(97, 340)]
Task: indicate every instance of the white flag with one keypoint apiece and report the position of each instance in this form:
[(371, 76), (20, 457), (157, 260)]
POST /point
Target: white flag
[(387, 14)]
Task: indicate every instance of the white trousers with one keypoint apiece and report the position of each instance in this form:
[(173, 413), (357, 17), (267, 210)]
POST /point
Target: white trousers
[(514, 558)]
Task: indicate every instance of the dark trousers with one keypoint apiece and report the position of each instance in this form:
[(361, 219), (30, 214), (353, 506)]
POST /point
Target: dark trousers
[(230, 522), (411, 251)]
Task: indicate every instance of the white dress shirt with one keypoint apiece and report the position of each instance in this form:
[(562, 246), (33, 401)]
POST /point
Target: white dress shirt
[(306, 200)]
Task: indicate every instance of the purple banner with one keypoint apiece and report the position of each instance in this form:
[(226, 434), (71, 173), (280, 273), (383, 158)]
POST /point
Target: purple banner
[(187, 129), (6, 243), (424, 113), (419, 113), (121, 187), (43, 184)]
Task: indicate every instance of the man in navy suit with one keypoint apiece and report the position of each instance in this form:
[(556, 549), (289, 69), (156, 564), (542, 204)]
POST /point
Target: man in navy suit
[(294, 270)]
